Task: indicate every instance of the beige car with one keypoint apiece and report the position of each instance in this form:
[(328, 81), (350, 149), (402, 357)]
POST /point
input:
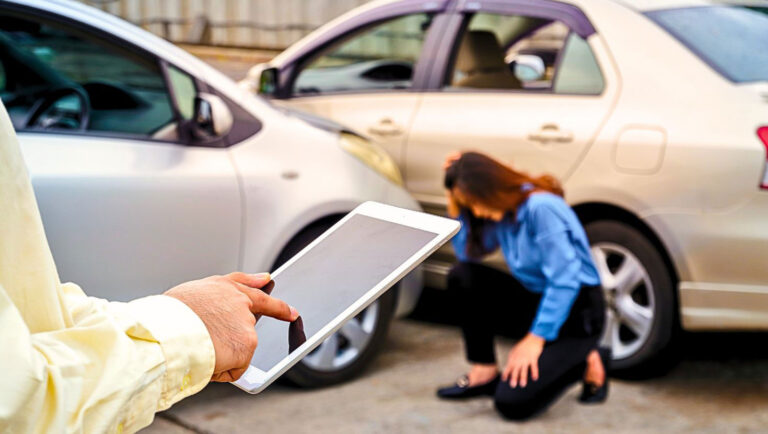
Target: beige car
[(655, 122)]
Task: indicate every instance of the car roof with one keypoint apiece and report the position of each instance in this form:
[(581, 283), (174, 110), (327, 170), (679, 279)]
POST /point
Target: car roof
[(638, 5), (649, 5)]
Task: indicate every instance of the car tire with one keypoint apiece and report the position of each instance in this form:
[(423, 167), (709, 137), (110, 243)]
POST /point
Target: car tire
[(318, 369), (641, 307)]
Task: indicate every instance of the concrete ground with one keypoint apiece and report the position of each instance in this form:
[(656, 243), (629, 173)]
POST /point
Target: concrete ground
[(715, 389), (721, 385)]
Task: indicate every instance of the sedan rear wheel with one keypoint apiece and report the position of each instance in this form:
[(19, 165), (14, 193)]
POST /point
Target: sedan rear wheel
[(630, 303), (641, 308)]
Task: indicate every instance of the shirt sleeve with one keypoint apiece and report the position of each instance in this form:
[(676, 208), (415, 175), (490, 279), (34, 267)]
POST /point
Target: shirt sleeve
[(560, 266), (460, 241), (110, 372)]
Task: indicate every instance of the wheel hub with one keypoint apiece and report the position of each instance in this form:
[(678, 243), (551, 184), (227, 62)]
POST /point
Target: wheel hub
[(630, 303)]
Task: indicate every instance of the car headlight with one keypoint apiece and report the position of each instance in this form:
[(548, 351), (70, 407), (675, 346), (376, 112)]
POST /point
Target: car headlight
[(372, 155)]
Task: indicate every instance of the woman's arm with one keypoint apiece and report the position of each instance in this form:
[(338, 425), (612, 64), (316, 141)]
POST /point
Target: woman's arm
[(561, 266)]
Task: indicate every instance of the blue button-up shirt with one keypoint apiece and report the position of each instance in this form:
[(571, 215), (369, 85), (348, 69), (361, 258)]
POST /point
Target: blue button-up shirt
[(547, 250)]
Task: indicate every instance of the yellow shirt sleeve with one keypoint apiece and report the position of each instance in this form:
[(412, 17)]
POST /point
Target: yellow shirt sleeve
[(110, 371)]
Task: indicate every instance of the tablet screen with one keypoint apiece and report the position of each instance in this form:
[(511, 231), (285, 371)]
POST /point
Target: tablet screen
[(333, 275)]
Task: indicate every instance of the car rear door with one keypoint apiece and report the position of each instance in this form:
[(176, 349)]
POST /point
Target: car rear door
[(129, 208), (530, 85), (367, 72)]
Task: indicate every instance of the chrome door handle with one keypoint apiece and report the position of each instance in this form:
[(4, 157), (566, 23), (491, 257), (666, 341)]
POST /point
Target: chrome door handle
[(385, 128), (551, 133)]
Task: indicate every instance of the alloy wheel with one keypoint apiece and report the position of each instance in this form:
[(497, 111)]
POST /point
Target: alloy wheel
[(344, 346), (629, 296)]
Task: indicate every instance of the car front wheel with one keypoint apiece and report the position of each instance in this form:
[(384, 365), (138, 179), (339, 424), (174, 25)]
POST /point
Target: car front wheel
[(347, 352), (640, 304)]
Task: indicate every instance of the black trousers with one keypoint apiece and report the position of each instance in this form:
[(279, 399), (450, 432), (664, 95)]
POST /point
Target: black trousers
[(490, 302)]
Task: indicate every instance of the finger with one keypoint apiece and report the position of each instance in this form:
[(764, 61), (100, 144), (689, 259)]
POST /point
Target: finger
[(263, 304), (535, 371), (507, 371), (515, 374), (251, 280), (524, 376), (267, 289), (228, 376)]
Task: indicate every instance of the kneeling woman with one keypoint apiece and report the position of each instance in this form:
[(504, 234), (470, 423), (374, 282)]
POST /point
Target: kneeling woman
[(552, 301)]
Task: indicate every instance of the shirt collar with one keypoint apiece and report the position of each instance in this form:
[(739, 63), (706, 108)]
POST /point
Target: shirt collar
[(522, 211)]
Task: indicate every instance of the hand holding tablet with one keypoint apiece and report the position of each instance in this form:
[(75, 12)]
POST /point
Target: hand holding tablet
[(337, 276)]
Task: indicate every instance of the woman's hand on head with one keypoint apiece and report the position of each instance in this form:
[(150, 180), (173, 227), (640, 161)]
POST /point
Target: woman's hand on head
[(523, 357), (450, 159)]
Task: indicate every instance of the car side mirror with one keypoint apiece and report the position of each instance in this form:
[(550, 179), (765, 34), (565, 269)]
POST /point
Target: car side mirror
[(212, 117), (529, 67), (262, 79)]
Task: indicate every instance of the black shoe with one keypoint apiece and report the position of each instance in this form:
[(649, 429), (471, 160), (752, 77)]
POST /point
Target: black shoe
[(592, 394), (461, 389)]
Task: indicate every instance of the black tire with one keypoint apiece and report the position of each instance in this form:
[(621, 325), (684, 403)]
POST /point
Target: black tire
[(652, 355), (304, 375)]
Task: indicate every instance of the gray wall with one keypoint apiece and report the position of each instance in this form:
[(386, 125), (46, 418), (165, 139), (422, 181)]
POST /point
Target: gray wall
[(273, 24)]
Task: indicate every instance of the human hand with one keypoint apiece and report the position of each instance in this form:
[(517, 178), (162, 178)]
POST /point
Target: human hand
[(229, 307), (522, 357), (450, 159)]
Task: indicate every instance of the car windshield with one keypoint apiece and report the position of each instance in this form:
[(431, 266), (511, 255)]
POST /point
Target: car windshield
[(731, 39)]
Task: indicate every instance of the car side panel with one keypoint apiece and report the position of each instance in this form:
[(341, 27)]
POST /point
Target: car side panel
[(126, 219)]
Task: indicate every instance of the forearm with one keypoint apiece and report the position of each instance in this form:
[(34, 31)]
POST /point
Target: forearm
[(111, 371)]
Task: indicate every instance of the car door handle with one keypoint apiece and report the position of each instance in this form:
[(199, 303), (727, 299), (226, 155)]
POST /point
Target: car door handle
[(385, 128), (551, 133)]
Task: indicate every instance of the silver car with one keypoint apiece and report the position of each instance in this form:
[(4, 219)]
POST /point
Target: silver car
[(151, 168)]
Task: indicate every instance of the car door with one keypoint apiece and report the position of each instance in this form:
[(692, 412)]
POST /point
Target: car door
[(129, 208), (368, 73), (520, 83)]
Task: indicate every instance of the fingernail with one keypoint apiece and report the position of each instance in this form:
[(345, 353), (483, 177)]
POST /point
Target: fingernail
[(263, 276), (294, 313)]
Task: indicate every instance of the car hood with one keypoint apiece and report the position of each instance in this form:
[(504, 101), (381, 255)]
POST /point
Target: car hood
[(316, 121)]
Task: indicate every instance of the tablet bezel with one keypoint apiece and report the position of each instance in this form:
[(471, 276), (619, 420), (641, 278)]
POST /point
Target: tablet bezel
[(255, 380)]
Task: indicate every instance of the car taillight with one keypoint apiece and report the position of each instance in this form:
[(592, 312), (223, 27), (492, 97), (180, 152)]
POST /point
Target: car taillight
[(762, 133)]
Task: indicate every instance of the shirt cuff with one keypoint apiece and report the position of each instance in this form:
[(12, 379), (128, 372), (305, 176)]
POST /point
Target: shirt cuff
[(546, 330), (184, 340)]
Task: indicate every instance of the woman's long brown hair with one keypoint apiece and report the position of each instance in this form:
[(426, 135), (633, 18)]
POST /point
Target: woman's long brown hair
[(484, 180)]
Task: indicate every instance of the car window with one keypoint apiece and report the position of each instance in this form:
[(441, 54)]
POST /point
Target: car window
[(515, 52), (184, 91), (378, 58), (578, 72), (726, 37), (54, 73)]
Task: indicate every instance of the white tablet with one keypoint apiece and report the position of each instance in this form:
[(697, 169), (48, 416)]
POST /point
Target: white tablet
[(337, 276)]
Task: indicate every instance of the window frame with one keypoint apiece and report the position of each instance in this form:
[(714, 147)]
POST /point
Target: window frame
[(35, 14), (569, 15), (418, 67), (316, 42)]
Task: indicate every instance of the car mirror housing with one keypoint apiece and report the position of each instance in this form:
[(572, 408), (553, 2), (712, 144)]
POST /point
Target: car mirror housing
[(529, 67), (268, 82), (212, 117)]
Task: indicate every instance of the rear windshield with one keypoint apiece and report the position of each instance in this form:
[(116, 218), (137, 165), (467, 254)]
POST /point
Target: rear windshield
[(731, 39)]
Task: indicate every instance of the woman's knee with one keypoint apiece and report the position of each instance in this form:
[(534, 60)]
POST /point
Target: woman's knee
[(512, 408)]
